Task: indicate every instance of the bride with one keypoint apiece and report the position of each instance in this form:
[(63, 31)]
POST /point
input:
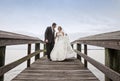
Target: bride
[(62, 49)]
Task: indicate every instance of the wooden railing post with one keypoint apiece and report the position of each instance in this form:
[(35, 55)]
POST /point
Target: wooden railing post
[(44, 49), (29, 52), (79, 49), (85, 52), (2, 59), (72, 46), (37, 47), (112, 60)]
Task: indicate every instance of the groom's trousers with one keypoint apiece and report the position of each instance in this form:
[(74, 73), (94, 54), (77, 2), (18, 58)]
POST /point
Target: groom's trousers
[(49, 47)]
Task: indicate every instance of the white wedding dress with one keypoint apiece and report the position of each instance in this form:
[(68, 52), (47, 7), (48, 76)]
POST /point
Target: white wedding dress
[(62, 49)]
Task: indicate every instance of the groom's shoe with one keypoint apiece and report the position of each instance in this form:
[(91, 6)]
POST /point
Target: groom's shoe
[(50, 60)]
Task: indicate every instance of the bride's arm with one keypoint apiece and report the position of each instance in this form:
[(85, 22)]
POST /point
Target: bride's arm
[(56, 36), (63, 33)]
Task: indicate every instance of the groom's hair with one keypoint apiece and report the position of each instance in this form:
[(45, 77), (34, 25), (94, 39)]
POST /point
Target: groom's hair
[(53, 24)]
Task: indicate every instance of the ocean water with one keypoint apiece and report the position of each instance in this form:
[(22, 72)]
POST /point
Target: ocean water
[(14, 53), (98, 55)]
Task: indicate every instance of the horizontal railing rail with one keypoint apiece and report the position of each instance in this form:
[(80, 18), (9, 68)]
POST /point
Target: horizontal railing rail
[(106, 70), (8, 38), (12, 65), (111, 43)]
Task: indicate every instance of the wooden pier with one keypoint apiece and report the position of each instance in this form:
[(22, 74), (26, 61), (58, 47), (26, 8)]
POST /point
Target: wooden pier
[(44, 70), (68, 70)]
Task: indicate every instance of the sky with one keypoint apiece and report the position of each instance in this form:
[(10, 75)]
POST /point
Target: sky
[(75, 16)]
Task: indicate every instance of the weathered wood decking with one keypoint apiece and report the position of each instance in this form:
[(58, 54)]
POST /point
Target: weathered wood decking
[(44, 70)]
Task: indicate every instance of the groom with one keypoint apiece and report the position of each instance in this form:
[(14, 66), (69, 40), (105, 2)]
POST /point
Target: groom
[(49, 39)]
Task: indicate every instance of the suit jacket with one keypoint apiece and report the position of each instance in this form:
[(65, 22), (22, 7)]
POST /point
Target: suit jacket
[(49, 35)]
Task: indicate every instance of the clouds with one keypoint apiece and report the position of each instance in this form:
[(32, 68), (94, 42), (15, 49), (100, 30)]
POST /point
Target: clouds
[(73, 15)]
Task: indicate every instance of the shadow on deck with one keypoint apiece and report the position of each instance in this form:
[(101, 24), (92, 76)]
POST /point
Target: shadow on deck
[(44, 70)]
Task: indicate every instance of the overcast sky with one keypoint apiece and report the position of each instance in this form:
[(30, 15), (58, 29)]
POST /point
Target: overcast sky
[(85, 16)]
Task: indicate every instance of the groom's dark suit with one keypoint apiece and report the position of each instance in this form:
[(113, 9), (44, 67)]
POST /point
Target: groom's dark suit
[(49, 35)]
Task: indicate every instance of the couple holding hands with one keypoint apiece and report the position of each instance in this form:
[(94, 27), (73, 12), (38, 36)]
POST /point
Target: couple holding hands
[(58, 47)]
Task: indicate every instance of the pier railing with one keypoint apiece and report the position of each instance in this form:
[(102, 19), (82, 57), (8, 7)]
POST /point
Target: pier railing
[(8, 38), (111, 43)]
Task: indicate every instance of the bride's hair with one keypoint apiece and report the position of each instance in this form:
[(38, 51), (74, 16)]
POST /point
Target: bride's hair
[(59, 28)]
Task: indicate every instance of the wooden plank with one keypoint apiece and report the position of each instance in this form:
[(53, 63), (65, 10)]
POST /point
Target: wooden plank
[(72, 45), (11, 35), (9, 38), (44, 70), (77, 71), (79, 49), (107, 40), (29, 52), (5, 42), (112, 60), (85, 52), (104, 36), (46, 75), (52, 80), (56, 78), (44, 49), (2, 59), (106, 44), (37, 47)]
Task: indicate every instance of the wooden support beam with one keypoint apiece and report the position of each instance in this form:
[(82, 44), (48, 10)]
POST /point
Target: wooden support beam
[(2, 59), (112, 60), (79, 49), (85, 52), (37, 47), (29, 52), (72, 45), (44, 49)]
